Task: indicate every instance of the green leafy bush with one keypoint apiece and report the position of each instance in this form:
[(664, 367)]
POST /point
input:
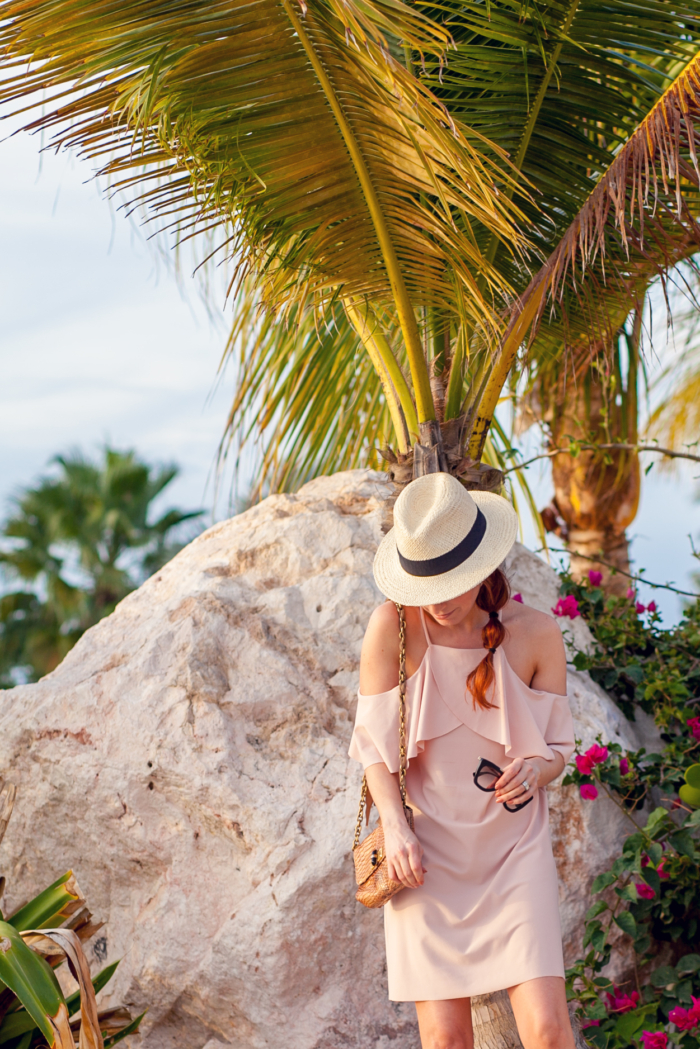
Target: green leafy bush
[(651, 893)]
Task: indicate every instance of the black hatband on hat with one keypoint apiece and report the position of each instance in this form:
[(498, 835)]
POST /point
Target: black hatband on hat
[(454, 557)]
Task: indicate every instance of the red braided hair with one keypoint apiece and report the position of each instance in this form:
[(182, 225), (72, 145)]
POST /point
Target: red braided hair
[(492, 596)]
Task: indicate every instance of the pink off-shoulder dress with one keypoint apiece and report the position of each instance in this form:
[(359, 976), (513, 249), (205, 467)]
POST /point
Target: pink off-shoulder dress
[(487, 915)]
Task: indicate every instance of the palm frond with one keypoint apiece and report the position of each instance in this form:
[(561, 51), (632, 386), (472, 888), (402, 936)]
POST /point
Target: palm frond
[(561, 85), (309, 401), (676, 421), (307, 397), (328, 164), (637, 224)]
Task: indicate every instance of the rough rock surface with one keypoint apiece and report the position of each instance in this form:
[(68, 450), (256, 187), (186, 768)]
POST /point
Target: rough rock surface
[(189, 761)]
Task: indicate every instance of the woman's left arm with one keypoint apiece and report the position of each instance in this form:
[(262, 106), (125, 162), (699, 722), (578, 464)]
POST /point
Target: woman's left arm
[(549, 676)]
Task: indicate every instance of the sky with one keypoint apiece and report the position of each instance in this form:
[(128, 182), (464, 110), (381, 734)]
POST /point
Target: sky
[(101, 342)]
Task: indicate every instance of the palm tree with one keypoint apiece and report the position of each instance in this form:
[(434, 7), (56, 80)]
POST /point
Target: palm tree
[(79, 542), (334, 173), (566, 91)]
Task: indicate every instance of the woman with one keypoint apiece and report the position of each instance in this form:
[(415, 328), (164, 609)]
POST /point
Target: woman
[(479, 910)]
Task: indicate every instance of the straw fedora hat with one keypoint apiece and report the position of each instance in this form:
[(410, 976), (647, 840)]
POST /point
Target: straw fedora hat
[(445, 541)]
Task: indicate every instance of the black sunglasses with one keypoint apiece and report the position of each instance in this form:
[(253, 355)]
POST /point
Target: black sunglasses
[(485, 779)]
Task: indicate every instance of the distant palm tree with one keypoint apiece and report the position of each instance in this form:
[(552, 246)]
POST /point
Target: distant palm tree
[(79, 542)]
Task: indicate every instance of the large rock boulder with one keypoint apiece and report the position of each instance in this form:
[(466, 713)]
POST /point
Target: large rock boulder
[(188, 760)]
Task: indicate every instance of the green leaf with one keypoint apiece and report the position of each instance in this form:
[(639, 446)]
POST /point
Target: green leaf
[(130, 1029), (634, 843), (683, 844), (595, 910), (42, 910), (625, 921), (642, 943), (599, 939), (16, 1024), (602, 881), (597, 1011), (689, 963), (628, 892), (655, 853), (655, 819), (651, 878), (634, 672), (626, 1026), (684, 992), (664, 976), (30, 978), (592, 928)]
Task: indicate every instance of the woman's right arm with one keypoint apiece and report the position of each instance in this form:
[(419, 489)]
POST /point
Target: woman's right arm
[(379, 673), (404, 852)]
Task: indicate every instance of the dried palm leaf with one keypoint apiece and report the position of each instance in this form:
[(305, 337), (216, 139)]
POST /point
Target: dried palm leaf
[(639, 222)]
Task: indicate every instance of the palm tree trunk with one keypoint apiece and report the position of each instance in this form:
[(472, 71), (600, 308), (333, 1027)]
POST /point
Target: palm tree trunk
[(597, 492), (494, 1023)]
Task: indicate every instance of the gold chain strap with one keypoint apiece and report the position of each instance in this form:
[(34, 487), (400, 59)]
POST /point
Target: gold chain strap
[(402, 730), (402, 703)]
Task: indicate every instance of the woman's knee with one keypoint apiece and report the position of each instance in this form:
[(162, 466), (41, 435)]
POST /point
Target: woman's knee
[(447, 1040), (550, 1033)]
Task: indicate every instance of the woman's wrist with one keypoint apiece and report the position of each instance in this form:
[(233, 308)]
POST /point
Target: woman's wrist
[(393, 819)]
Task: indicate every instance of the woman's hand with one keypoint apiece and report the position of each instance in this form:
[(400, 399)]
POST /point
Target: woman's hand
[(404, 854), (519, 781)]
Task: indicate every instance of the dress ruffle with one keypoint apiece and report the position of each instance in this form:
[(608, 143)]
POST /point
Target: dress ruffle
[(525, 721)]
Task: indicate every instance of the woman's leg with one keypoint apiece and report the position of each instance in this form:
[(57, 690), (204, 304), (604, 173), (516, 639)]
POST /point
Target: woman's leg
[(446, 1025), (541, 1013)]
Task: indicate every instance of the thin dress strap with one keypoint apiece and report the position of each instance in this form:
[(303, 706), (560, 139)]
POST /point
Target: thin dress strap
[(425, 625)]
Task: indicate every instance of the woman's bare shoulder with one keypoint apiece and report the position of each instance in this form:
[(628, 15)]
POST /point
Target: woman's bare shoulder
[(383, 623), (526, 623)]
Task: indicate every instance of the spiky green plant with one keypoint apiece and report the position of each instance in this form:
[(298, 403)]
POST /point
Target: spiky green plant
[(36, 939)]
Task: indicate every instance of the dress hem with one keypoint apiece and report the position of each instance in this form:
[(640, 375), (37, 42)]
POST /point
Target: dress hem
[(482, 990)]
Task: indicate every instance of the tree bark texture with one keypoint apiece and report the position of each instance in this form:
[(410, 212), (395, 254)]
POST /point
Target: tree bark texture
[(596, 493), (495, 1027)]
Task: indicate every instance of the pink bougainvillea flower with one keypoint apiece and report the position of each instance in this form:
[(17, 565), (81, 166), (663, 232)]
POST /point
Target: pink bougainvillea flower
[(631, 594), (589, 792), (595, 578), (590, 1023), (518, 598), (567, 606), (639, 608), (661, 870), (584, 764), (685, 1019), (694, 726), (624, 766), (621, 1002), (654, 1039), (651, 607), (644, 891), (597, 754)]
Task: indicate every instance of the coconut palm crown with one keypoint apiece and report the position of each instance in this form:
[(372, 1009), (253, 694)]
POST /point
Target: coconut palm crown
[(431, 183)]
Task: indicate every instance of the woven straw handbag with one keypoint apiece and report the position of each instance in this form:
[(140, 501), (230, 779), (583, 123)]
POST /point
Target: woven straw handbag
[(375, 887)]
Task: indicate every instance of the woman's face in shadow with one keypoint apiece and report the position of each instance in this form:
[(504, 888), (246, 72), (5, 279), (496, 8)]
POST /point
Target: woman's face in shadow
[(450, 613)]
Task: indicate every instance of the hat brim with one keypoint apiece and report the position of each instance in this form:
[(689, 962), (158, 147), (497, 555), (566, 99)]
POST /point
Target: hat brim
[(398, 585)]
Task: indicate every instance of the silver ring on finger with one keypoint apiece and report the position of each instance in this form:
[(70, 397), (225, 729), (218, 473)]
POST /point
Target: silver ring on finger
[(526, 785)]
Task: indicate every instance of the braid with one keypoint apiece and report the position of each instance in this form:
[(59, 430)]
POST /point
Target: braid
[(492, 596)]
